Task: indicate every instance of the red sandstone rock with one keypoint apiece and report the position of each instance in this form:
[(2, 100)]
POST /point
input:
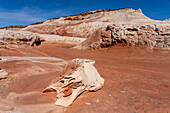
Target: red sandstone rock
[(99, 39)]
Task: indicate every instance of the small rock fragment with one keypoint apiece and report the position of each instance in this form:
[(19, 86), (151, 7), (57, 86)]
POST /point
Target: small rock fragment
[(123, 91), (65, 109), (97, 101), (3, 74), (88, 103)]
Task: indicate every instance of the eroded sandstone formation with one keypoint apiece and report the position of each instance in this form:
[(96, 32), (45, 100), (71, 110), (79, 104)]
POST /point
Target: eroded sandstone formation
[(8, 37), (127, 25), (99, 39), (85, 24), (79, 75), (152, 36)]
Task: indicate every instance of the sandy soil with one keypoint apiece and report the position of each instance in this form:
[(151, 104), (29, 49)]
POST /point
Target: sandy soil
[(136, 80)]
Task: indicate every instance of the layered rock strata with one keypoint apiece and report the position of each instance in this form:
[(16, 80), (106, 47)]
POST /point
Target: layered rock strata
[(85, 24)]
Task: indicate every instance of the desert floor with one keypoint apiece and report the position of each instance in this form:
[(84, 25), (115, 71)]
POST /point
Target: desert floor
[(136, 80)]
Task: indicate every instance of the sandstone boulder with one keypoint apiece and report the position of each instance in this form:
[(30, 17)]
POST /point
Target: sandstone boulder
[(79, 75)]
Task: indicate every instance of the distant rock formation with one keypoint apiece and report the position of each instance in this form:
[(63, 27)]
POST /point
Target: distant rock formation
[(19, 37), (127, 26), (89, 24), (84, 24), (99, 39), (151, 36)]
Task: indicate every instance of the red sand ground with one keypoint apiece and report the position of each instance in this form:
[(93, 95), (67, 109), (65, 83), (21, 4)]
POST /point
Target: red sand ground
[(136, 80)]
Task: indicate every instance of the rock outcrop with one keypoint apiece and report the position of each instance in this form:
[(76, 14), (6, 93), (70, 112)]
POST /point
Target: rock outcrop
[(19, 37), (127, 25), (79, 75), (99, 39), (84, 24), (152, 36)]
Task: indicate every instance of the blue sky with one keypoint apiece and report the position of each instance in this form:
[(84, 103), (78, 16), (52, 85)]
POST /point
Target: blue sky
[(24, 12)]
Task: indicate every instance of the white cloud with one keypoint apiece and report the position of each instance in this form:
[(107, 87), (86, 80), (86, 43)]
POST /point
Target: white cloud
[(19, 17), (24, 15), (31, 14), (28, 15)]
